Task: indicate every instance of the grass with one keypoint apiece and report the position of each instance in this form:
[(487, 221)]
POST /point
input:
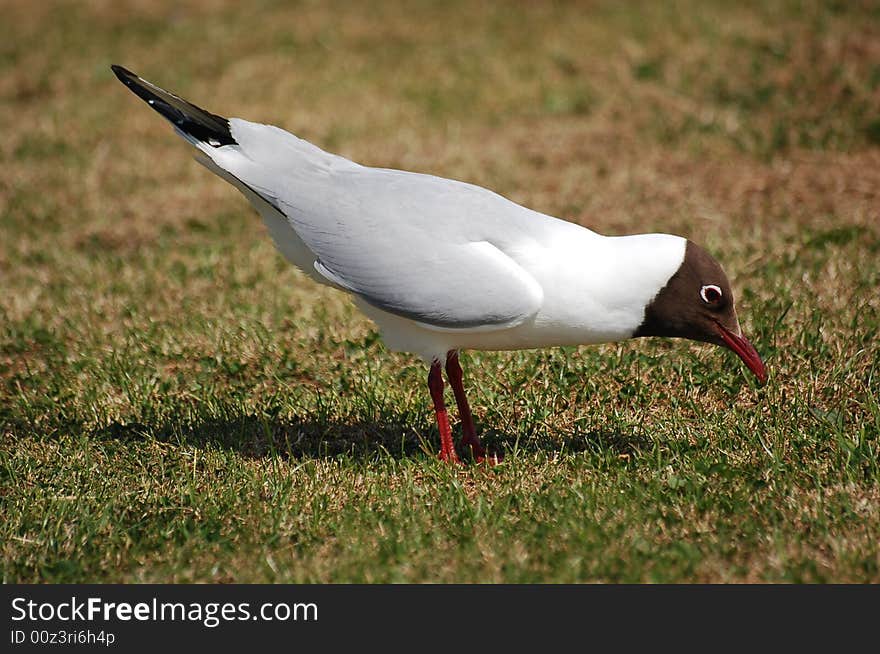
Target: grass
[(179, 404)]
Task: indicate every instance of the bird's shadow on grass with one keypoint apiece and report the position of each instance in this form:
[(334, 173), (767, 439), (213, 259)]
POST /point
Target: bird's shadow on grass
[(258, 437)]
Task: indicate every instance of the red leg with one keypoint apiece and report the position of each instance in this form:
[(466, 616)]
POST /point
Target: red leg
[(469, 432), (435, 385)]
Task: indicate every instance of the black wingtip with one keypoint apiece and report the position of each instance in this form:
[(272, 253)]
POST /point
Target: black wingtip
[(187, 117), (121, 73)]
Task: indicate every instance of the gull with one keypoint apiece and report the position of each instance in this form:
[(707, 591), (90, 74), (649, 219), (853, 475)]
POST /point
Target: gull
[(441, 265)]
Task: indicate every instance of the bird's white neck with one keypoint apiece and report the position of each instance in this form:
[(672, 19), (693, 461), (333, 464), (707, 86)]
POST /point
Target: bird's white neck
[(596, 287)]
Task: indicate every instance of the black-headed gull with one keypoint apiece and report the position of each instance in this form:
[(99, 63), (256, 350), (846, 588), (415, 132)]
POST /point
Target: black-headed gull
[(440, 265)]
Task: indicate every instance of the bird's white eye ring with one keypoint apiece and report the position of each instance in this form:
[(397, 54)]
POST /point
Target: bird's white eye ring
[(711, 294)]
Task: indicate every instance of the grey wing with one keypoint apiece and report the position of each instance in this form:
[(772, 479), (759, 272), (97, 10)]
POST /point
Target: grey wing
[(420, 247)]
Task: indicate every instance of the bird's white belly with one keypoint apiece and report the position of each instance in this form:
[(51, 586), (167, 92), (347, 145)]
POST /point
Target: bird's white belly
[(404, 335)]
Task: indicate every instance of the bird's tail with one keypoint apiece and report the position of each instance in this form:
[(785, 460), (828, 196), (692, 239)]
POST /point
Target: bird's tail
[(192, 122)]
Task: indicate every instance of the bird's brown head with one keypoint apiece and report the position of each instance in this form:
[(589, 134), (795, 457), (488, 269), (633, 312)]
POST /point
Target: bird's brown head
[(697, 303)]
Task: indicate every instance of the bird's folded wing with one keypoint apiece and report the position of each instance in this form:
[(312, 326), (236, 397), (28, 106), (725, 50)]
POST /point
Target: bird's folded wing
[(473, 285)]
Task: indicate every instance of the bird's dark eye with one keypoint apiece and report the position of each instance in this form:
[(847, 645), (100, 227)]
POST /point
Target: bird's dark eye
[(711, 294)]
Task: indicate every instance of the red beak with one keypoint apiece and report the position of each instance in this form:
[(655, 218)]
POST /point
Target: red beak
[(745, 350)]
